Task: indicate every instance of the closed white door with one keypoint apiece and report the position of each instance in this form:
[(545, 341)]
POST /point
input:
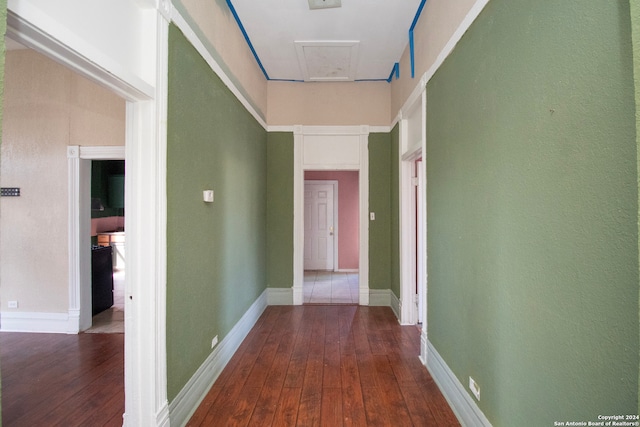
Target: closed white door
[(318, 226)]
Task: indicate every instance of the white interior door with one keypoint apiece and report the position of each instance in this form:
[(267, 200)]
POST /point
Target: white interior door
[(318, 226)]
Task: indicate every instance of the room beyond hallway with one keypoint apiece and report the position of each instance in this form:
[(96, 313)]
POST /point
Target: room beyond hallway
[(111, 320), (327, 365), (330, 287)]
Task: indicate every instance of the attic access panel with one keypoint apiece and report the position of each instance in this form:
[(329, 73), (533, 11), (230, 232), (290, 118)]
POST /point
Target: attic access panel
[(328, 60)]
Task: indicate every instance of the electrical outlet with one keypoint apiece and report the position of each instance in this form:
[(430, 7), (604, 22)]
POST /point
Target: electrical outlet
[(12, 304), (214, 341), (475, 388)]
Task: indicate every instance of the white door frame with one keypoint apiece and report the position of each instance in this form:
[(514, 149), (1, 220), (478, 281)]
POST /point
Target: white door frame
[(336, 211), (145, 197), (412, 146), (330, 148), (409, 236), (79, 185)]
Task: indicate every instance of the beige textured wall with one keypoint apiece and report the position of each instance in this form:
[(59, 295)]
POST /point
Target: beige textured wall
[(323, 103), (437, 23), (215, 22), (46, 108)]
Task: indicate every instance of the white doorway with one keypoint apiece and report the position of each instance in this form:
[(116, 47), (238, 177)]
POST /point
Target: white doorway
[(145, 357), (320, 225), (331, 148)]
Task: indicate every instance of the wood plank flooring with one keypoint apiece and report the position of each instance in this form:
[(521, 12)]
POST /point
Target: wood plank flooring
[(62, 380), (326, 366)]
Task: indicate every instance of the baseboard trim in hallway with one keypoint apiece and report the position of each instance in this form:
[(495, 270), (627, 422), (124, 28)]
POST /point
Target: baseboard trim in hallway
[(189, 398), (467, 411), (331, 365)]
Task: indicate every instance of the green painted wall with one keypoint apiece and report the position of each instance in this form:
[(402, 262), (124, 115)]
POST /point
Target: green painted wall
[(532, 211), (380, 202), (635, 30), (216, 253), (211, 49), (395, 210), (280, 210)]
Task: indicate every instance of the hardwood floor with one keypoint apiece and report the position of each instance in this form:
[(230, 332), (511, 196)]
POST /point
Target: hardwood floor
[(305, 365), (326, 366), (62, 380)]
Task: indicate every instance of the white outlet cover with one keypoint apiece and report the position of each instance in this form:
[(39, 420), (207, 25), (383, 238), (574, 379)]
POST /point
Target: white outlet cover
[(207, 196), (13, 304), (475, 389), (214, 341)]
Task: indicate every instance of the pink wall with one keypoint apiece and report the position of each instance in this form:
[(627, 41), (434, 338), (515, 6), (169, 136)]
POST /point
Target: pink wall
[(109, 223), (348, 223)]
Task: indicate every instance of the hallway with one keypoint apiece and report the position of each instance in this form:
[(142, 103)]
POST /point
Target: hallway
[(326, 365)]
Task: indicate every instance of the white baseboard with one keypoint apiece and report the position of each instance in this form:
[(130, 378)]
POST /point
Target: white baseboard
[(279, 296), (459, 399), (347, 270), (20, 321), (189, 398), (395, 304)]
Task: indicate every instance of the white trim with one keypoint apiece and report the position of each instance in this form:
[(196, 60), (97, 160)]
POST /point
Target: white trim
[(79, 220), (380, 129), (125, 84), (290, 128), (395, 304), (195, 41), (461, 402), (363, 181), (298, 202), (336, 213), (75, 266), (115, 152), (279, 296), (45, 323), (189, 398), (347, 270), (278, 128)]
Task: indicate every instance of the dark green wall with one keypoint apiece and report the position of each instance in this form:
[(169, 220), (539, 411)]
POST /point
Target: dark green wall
[(101, 172), (532, 211), (216, 253), (380, 202), (635, 29), (280, 210)]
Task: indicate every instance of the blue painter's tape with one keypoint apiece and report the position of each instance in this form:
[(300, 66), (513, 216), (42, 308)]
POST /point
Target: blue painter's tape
[(394, 71), (411, 54), (371, 80), (246, 37), (287, 80), (413, 25)]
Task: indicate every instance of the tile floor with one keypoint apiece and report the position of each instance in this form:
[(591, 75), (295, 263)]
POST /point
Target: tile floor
[(330, 287), (111, 321)]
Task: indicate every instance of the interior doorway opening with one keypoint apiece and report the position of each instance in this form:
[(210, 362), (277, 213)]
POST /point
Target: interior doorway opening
[(331, 236)]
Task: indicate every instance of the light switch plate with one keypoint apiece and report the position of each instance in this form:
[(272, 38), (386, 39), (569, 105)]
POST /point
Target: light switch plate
[(207, 196)]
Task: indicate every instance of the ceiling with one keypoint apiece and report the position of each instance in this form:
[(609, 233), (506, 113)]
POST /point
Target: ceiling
[(360, 40)]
